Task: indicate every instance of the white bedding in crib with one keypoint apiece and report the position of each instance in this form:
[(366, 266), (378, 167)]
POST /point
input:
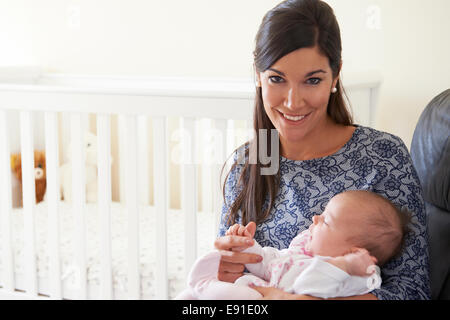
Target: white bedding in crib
[(175, 221)]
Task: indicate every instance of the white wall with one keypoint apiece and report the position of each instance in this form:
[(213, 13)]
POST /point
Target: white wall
[(410, 50), (215, 38)]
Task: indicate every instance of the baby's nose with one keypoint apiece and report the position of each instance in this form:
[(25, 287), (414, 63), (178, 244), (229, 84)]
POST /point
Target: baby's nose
[(315, 219)]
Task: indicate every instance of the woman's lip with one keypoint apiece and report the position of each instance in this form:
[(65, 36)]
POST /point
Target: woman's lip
[(293, 121), (293, 115)]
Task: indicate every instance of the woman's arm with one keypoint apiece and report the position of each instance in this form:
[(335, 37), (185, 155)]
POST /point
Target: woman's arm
[(367, 296), (271, 293), (405, 277)]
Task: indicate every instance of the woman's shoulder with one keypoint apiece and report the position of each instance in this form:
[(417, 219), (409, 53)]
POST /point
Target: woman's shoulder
[(375, 137), (387, 166), (379, 150), (380, 143)]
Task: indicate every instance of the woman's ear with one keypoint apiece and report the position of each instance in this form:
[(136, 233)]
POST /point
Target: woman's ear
[(335, 81)]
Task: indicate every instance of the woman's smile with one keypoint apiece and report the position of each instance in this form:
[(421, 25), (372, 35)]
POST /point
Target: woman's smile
[(289, 119)]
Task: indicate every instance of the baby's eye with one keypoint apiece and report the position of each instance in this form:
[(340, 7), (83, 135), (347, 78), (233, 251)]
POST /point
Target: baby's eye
[(314, 81), (275, 79)]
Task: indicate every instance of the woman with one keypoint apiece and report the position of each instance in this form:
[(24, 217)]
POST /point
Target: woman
[(297, 62)]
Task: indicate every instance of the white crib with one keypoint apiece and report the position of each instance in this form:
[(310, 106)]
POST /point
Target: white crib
[(126, 249)]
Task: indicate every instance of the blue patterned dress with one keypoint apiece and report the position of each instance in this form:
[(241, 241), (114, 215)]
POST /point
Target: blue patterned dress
[(370, 160)]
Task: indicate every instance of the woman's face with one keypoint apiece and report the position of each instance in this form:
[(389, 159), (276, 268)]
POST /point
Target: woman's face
[(295, 92)]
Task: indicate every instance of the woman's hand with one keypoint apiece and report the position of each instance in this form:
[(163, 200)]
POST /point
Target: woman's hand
[(271, 293), (232, 263)]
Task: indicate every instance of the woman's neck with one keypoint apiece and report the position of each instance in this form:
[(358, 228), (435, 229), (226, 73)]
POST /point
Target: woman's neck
[(324, 141)]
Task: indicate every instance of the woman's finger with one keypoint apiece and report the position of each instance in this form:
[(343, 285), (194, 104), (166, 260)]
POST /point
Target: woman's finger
[(228, 276), (229, 242), (272, 293), (262, 290), (239, 257), (225, 266)]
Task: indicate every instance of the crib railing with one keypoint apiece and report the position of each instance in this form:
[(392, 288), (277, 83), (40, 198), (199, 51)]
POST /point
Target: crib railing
[(129, 105), (157, 99)]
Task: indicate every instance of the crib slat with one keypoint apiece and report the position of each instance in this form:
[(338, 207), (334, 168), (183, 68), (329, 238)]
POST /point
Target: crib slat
[(6, 205), (29, 200), (160, 156), (121, 122), (131, 196), (104, 202), (79, 199), (221, 126), (53, 196), (206, 161), (143, 161), (231, 137), (189, 191)]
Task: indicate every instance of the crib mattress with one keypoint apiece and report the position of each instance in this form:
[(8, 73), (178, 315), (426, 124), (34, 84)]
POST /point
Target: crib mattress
[(119, 243)]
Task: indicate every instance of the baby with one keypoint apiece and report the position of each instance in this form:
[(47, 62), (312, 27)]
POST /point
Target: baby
[(335, 257)]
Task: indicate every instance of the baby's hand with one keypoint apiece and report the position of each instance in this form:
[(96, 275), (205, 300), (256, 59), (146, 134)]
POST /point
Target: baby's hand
[(357, 262), (243, 231)]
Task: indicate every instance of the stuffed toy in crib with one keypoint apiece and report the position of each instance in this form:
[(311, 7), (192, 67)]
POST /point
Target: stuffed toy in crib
[(39, 172), (90, 156)]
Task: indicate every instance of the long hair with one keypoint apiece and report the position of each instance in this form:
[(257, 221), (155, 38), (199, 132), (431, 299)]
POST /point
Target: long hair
[(291, 25)]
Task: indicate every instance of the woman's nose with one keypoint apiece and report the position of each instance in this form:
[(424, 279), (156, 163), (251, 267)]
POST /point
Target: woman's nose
[(294, 99)]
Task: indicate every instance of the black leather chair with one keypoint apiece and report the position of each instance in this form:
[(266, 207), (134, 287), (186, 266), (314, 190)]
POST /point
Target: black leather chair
[(430, 152)]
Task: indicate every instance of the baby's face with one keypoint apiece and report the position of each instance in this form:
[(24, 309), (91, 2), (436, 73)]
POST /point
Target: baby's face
[(331, 229)]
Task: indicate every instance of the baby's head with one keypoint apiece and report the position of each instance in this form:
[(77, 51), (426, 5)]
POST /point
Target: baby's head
[(359, 219)]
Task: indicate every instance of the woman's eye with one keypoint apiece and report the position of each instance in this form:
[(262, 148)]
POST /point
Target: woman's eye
[(275, 79), (314, 81)]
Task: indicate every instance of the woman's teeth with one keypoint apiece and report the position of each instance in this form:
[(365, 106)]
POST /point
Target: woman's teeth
[(293, 118)]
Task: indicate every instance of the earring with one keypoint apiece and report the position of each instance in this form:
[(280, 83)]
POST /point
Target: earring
[(334, 90)]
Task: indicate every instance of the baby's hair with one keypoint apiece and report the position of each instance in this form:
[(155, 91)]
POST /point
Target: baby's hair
[(386, 229)]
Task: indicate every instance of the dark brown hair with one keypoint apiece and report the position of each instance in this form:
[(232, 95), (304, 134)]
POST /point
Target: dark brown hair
[(291, 25)]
